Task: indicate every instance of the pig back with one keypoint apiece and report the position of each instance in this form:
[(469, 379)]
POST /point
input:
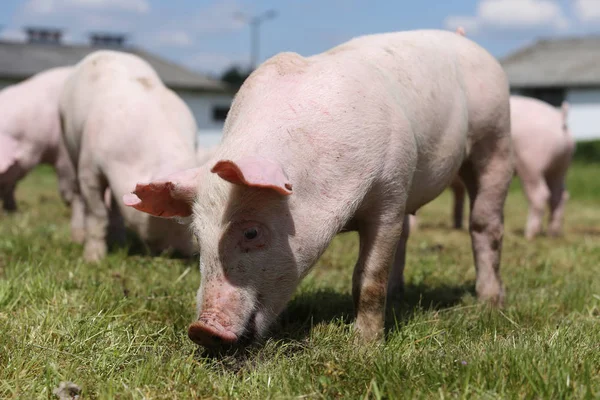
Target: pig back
[(450, 93), (30, 116), (540, 134)]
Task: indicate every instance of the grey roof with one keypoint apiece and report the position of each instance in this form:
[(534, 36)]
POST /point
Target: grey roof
[(564, 62), (20, 60)]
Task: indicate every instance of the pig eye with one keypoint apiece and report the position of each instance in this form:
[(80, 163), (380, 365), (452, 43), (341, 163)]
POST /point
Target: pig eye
[(251, 233)]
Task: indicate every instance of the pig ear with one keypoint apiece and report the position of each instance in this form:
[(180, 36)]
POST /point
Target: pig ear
[(8, 152), (168, 197), (254, 172)]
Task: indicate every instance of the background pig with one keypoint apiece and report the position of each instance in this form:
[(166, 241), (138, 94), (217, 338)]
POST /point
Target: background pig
[(121, 126), (30, 134), (543, 148), (355, 138)]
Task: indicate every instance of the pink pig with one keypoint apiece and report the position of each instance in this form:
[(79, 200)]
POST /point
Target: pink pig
[(543, 148), (356, 138), (30, 134), (122, 125)]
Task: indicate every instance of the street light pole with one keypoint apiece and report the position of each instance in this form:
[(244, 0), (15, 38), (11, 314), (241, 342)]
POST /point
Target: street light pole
[(255, 22)]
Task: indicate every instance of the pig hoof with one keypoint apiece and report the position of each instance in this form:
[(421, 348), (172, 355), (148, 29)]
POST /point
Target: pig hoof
[(78, 236), (555, 233), (10, 207), (94, 252), (368, 333), (492, 294)]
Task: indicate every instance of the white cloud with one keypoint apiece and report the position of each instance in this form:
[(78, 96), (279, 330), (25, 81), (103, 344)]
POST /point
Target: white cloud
[(512, 14), (173, 39), (219, 17), (588, 10), (41, 6), (56, 6), (138, 6)]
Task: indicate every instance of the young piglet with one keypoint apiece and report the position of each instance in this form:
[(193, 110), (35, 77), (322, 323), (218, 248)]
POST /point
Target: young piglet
[(30, 134), (356, 138), (121, 126), (543, 148)]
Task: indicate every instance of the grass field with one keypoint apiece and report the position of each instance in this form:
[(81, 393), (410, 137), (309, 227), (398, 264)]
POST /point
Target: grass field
[(118, 329)]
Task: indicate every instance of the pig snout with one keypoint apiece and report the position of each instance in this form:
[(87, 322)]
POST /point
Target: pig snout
[(208, 332)]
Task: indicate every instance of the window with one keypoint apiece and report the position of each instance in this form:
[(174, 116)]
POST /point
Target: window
[(553, 96), (219, 113)]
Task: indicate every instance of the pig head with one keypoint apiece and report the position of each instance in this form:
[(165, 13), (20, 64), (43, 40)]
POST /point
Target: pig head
[(242, 229)]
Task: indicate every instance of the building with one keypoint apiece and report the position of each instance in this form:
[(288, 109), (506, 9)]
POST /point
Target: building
[(209, 99), (561, 69)]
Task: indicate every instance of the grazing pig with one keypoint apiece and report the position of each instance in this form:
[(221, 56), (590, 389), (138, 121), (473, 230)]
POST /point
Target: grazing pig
[(356, 138), (30, 134), (122, 125), (543, 148)]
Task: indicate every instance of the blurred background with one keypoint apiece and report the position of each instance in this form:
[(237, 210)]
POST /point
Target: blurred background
[(204, 49)]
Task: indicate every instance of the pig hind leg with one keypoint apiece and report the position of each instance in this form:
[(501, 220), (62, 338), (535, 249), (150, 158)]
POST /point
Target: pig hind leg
[(538, 195), (487, 175), (8, 198), (557, 202), (93, 186), (378, 242), (395, 289)]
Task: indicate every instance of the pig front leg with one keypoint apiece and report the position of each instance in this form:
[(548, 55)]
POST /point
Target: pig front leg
[(487, 176), (378, 242), (9, 203), (96, 215), (395, 289), (538, 195), (70, 193), (558, 201), (77, 219)]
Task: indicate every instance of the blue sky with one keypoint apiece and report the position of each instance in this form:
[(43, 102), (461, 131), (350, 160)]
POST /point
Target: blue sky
[(204, 35)]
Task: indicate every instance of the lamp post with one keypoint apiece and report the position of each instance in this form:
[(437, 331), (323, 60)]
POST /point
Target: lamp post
[(255, 22)]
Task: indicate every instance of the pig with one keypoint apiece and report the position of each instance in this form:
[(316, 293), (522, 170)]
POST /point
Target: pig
[(30, 134), (123, 125), (356, 138), (543, 147)]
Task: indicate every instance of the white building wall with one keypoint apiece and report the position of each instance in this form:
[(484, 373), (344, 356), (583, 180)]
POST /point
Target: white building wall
[(202, 104), (584, 113)]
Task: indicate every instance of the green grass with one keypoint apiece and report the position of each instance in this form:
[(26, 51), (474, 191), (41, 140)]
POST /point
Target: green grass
[(118, 329)]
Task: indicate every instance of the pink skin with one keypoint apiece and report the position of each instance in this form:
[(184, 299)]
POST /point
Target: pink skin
[(30, 134), (356, 138), (121, 126), (543, 148)]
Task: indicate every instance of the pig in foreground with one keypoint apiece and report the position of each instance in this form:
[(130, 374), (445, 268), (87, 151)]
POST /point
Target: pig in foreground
[(30, 134), (122, 125), (543, 147), (356, 138)]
